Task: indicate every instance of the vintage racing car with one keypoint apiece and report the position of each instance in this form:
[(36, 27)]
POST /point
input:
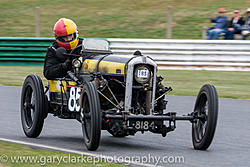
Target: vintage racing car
[(120, 94)]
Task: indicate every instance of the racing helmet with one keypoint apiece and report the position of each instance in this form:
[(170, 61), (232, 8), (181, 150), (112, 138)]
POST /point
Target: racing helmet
[(65, 28)]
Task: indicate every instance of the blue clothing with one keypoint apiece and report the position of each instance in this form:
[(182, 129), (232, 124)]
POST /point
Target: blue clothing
[(230, 34), (215, 34), (220, 22)]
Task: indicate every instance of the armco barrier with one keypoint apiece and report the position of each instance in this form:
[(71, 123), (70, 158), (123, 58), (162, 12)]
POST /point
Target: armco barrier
[(23, 50), (189, 54), (169, 54)]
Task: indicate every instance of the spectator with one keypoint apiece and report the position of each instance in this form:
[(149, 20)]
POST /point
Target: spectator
[(220, 25), (246, 27), (235, 25)]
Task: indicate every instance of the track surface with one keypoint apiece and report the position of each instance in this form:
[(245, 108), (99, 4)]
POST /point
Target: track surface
[(230, 147)]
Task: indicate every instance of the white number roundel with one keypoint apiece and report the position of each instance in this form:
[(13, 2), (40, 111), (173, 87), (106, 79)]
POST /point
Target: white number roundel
[(74, 96)]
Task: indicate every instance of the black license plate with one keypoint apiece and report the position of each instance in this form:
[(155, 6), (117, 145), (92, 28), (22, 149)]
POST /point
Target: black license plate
[(142, 124)]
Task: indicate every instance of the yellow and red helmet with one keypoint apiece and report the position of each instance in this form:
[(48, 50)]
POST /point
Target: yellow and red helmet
[(63, 28)]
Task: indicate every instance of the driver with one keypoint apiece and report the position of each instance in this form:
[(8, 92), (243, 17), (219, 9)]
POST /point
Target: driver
[(66, 35)]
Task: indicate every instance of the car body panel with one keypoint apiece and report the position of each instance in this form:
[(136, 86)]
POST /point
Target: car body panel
[(106, 64)]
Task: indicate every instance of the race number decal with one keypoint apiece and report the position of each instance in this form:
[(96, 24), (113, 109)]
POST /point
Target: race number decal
[(143, 73), (74, 96)]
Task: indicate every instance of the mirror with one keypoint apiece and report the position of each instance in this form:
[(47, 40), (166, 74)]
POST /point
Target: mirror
[(95, 45)]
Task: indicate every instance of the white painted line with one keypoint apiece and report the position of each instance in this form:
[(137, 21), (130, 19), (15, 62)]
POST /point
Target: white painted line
[(77, 152)]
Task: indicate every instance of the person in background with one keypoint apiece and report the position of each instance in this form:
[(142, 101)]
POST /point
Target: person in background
[(221, 23), (235, 25), (246, 27)]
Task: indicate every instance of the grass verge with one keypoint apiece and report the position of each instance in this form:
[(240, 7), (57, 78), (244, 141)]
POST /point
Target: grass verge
[(13, 155), (114, 19), (229, 84)]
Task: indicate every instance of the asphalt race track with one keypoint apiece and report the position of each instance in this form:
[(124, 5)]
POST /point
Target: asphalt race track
[(230, 147)]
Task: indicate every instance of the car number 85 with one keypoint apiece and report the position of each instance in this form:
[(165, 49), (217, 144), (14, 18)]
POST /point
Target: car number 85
[(74, 96)]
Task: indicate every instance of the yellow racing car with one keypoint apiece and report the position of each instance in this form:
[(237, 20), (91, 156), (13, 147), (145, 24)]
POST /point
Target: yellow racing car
[(120, 94)]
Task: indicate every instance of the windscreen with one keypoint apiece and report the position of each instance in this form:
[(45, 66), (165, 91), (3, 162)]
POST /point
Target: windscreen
[(95, 44)]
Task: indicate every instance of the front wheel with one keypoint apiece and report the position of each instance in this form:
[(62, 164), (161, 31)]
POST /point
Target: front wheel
[(33, 106), (91, 116), (205, 113)]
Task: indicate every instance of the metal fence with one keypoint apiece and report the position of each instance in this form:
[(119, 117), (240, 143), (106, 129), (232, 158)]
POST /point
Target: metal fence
[(169, 54), (189, 54)]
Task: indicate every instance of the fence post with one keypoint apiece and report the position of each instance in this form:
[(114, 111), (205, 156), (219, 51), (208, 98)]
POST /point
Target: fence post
[(169, 23), (204, 32), (37, 21)]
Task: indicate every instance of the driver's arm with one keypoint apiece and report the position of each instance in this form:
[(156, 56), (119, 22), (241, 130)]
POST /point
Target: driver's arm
[(53, 67)]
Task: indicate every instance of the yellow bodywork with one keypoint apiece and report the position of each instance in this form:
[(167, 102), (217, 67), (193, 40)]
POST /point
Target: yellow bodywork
[(56, 85), (112, 64), (109, 64), (104, 66)]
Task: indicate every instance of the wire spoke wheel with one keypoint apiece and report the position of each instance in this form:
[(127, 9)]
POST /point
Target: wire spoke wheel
[(91, 116), (205, 113), (32, 106)]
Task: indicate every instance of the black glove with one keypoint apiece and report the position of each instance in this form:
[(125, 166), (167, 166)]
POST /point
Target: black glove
[(60, 54), (67, 65)]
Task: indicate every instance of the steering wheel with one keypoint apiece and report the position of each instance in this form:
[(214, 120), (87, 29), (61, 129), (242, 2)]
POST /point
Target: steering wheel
[(77, 49)]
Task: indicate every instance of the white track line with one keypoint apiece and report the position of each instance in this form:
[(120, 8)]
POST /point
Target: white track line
[(76, 152)]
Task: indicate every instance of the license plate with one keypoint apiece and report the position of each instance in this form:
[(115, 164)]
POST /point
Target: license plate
[(141, 125), (142, 74)]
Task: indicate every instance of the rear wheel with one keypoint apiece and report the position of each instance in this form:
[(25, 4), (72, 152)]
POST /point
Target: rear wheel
[(91, 116), (205, 112), (32, 106)]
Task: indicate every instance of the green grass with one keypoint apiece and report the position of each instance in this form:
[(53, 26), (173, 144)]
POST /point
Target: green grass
[(114, 18), (37, 158), (229, 84), (15, 75)]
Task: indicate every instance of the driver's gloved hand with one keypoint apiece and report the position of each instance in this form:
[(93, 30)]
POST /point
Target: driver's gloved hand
[(67, 65)]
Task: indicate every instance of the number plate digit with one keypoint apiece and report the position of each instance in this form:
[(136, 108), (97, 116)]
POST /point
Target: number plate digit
[(142, 125)]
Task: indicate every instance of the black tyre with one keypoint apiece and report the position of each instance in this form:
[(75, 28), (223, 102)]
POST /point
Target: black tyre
[(32, 106), (91, 116), (46, 107), (206, 112)]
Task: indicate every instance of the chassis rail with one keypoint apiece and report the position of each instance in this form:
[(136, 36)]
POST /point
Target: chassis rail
[(150, 117)]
